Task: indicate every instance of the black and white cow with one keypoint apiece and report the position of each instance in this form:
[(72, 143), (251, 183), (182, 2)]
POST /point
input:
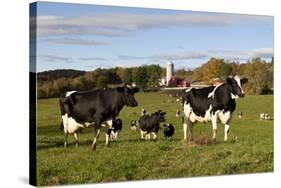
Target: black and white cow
[(150, 124), (114, 130), (134, 124), (169, 130), (212, 103), (94, 107), (143, 112)]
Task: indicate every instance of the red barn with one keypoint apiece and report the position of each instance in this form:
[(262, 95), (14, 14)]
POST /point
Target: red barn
[(178, 82)]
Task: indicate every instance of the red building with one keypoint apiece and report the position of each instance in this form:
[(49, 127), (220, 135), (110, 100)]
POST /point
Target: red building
[(178, 82)]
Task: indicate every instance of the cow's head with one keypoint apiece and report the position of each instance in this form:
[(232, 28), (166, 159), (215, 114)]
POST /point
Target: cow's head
[(167, 125), (236, 86), (160, 116), (128, 95)]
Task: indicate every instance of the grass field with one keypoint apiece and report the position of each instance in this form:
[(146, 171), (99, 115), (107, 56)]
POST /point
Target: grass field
[(133, 159)]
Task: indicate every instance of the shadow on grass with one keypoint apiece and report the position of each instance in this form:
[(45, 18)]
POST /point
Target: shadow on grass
[(48, 142)]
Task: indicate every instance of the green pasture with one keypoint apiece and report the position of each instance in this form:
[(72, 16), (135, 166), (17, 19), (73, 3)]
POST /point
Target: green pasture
[(248, 150)]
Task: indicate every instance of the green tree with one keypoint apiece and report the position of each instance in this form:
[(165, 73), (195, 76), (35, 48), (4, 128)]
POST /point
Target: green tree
[(140, 76), (153, 73), (128, 76), (225, 70)]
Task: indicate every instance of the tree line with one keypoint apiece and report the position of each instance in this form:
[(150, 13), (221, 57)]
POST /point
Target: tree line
[(146, 76), (258, 72), (54, 83)]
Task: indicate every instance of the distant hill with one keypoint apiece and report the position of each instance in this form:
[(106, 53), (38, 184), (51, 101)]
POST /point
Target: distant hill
[(59, 73)]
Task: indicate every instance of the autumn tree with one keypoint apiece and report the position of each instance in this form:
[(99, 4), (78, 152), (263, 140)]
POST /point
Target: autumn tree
[(197, 74)]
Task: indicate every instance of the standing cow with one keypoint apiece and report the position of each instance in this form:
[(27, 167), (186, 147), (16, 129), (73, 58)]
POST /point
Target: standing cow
[(150, 124), (212, 103), (94, 107)]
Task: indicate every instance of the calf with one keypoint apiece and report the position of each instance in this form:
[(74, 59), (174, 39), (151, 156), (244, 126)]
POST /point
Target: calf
[(150, 124), (143, 112), (169, 130), (114, 130), (212, 103), (134, 124)]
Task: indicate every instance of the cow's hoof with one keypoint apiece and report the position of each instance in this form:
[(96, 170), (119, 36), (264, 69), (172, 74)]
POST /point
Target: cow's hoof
[(76, 145), (65, 145), (94, 146)]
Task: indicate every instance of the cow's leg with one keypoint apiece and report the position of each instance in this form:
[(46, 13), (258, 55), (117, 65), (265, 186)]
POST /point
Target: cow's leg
[(226, 120), (186, 122), (65, 139), (214, 124), (116, 135), (187, 128), (190, 131), (147, 136), (154, 135), (97, 133), (143, 134), (76, 139), (107, 139), (226, 130)]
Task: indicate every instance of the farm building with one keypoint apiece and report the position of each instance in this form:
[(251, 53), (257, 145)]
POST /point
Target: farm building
[(178, 82), (171, 80)]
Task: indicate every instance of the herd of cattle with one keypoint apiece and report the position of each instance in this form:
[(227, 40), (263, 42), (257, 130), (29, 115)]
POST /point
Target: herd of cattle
[(101, 107)]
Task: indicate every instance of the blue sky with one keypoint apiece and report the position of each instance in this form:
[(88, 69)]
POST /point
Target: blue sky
[(86, 37)]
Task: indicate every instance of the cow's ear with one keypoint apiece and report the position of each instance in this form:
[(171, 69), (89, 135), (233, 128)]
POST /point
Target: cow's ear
[(135, 89), (244, 80), (121, 89), (164, 125), (163, 113)]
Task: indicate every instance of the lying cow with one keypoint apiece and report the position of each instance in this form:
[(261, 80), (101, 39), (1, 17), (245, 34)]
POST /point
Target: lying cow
[(264, 116), (94, 107), (150, 124), (240, 116), (169, 130), (212, 103)]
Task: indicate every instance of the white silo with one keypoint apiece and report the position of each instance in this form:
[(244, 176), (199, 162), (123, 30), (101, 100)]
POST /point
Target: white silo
[(169, 71)]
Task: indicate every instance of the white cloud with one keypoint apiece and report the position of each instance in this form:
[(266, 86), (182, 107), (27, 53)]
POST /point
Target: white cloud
[(75, 41), (122, 24), (92, 59), (180, 56), (128, 57), (171, 56), (232, 55), (262, 52), (242, 55), (55, 58)]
